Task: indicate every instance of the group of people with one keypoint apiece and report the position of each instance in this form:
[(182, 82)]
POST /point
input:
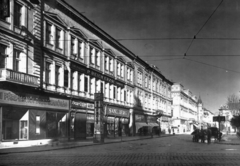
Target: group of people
[(202, 135)]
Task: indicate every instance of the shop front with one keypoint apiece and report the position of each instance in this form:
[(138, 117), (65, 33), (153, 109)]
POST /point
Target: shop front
[(27, 116), (116, 122), (144, 124), (81, 120), (166, 124)]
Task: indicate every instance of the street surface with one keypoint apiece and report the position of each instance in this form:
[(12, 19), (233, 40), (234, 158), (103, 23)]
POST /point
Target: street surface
[(176, 150)]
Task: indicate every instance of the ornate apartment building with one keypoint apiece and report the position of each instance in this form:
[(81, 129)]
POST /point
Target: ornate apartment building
[(53, 60), (185, 109), (152, 97)]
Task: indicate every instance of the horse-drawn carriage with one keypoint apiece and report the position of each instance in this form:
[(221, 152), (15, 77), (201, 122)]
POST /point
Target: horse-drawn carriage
[(203, 134)]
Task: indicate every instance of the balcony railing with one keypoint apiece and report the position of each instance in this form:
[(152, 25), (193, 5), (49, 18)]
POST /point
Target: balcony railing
[(17, 77)]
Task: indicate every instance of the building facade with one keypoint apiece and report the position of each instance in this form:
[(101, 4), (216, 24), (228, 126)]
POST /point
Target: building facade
[(185, 109), (152, 99), (53, 61)]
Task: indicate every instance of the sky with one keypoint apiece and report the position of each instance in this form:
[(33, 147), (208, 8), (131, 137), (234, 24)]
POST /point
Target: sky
[(161, 32)]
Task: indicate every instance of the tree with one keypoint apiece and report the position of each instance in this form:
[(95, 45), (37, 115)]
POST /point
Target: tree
[(233, 104), (235, 121)]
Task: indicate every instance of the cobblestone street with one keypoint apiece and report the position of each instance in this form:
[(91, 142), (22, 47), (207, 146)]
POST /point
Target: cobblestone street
[(123, 159), (177, 150)]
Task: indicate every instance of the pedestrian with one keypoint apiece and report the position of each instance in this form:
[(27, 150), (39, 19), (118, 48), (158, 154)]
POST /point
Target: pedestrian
[(209, 135), (169, 130), (202, 135)]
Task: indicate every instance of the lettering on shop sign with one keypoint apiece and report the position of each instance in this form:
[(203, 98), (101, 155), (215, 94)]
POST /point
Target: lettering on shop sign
[(79, 104), (100, 76), (8, 97), (117, 112)]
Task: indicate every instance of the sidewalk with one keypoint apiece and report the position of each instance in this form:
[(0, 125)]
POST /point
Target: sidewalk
[(230, 139), (72, 144)]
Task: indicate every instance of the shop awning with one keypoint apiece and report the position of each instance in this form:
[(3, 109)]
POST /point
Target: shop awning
[(142, 124)]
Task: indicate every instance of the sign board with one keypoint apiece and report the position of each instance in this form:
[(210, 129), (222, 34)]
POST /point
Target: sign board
[(99, 118), (33, 100), (115, 111), (218, 118)]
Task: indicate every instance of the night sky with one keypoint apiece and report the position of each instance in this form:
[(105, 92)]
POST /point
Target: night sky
[(161, 32)]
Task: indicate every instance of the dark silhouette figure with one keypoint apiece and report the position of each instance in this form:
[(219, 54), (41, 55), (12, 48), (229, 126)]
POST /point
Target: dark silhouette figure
[(202, 135), (209, 135)]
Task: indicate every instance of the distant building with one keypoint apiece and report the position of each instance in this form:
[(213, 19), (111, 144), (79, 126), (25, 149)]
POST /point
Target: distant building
[(185, 109), (226, 126)]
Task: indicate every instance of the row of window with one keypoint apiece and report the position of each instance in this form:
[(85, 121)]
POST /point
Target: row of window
[(155, 103), (55, 39), (14, 58), (59, 76), (156, 85)]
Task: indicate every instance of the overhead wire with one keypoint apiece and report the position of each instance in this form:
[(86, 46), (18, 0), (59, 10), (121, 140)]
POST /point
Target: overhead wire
[(185, 54)]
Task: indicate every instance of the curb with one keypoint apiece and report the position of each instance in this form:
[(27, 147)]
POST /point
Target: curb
[(8, 151)]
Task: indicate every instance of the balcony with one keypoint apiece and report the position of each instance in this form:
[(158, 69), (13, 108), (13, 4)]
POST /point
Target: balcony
[(19, 78)]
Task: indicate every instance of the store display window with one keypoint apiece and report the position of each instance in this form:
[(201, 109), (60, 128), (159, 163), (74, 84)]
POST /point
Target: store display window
[(15, 123)]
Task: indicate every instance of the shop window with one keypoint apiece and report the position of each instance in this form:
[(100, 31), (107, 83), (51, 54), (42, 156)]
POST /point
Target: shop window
[(37, 124), (56, 125), (15, 123), (89, 129)]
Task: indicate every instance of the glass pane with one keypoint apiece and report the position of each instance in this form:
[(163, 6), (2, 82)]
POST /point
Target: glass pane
[(15, 123)]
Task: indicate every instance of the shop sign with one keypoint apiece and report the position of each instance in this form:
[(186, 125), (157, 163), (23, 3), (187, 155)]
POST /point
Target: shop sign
[(8, 97), (114, 111), (79, 104), (140, 118)]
